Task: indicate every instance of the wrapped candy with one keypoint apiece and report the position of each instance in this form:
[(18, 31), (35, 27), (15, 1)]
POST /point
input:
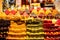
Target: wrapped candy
[(13, 12), (58, 22), (7, 11), (41, 15)]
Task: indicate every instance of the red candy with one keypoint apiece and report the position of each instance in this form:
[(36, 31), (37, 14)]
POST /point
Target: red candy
[(7, 12)]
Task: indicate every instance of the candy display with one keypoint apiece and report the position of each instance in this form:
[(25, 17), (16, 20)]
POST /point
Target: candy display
[(29, 20), (30, 29)]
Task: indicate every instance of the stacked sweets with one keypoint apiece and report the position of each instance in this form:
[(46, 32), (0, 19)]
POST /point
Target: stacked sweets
[(4, 28), (51, 30), (35, 29), (17, 31)]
